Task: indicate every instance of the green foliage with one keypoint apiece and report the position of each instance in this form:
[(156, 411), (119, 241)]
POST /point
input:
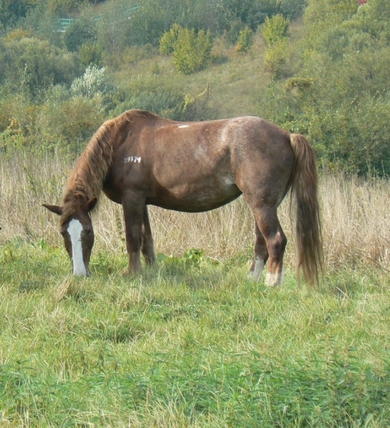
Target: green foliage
[(245, 40), (188, 344), (196, 107), (275, 29), (342, 55), (32, 64), (66, 7), (90, 53), (275, 58), (11, 11), (348, 62), (192, 51), (80, 32), (151, 19), (169, 39), (254, 12), (93, 82), (322, 16), (69, 117)]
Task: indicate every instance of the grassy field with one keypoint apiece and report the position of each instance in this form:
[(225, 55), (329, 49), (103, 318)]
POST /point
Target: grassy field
[(192, 343)]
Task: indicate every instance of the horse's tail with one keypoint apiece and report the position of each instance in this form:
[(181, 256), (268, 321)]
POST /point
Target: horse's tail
[(308, 223)]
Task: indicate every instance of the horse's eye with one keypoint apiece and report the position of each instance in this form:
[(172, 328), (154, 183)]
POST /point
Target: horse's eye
[(88, 231)]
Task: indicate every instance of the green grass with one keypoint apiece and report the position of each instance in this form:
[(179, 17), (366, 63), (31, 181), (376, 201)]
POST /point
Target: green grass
[(192, 343)]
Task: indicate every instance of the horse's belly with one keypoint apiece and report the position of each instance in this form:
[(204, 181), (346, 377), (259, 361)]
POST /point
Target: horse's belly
[(195, 198)]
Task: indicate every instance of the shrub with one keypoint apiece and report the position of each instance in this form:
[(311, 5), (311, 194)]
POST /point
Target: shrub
[(169, 39), (90, 53), (80, 32), (91, 82), (33, 65), (275, 29), (192, 51), (245, 40), (275, 58)]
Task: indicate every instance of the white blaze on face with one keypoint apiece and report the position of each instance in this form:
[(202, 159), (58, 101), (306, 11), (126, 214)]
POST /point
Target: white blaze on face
[(74, 229)]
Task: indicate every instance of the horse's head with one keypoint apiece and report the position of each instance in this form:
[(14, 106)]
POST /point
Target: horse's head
[(77, 231)]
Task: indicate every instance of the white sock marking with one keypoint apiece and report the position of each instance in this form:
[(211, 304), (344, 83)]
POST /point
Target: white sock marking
[(273, 279), (258, 269), (74, 229)]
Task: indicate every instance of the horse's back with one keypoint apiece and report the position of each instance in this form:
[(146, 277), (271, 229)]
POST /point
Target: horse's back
[(196, 166)]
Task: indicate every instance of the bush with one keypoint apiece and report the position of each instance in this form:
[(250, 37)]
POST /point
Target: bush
[(275, 58), (67, 122), (32, 65), (90, 53), (192, 52), (245, 40), (93, 81), (80, 32), (169, 39), (275, 29)]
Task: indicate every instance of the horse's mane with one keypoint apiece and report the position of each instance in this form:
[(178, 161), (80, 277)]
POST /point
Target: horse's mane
[(86, 181), (131, 115)]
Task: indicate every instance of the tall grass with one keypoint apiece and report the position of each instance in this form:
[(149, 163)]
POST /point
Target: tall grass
[(192, 343), (354, 215)]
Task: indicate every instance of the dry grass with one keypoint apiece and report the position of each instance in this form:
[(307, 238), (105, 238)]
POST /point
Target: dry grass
[(355, 215)]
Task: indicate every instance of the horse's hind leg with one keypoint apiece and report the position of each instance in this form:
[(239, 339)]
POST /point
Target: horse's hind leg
[(147, 240), (261, 256), (275, 239)]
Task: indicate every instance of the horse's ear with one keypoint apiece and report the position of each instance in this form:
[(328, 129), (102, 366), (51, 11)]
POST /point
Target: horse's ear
[(54, 209), (91, 204)]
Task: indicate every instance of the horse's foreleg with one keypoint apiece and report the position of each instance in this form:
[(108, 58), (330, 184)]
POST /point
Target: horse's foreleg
[(133, 214), (275, 240), (261, 256), (147, 240)]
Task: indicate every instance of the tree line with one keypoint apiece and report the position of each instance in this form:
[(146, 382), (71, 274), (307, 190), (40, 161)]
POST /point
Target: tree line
[(58, 86)]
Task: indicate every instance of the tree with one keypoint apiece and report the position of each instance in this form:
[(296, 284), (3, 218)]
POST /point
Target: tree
[(245, 40), (13, 10), (31, 64), (191, 51), (275, 29), (340, 97), (80, 32)]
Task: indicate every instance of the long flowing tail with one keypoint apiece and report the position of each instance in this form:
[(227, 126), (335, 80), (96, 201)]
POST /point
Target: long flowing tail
[(308, 222)]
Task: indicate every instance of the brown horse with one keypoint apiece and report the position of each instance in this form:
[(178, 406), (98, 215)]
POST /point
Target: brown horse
[(139, 159)]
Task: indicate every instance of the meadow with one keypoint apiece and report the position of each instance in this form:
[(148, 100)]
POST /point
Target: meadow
[(192, 343)]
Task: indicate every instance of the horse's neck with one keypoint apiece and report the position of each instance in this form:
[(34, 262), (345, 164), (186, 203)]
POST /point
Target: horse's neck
[(86, 181)]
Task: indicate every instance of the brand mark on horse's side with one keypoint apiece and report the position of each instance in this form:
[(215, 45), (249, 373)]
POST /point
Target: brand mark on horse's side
[(132, 159)]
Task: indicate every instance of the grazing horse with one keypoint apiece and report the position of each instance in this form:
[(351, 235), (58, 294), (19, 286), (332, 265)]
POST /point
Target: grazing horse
[(140, 159)]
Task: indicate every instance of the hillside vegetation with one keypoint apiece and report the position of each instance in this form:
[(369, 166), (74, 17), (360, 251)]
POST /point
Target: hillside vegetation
[(193, 342), (319, 67)]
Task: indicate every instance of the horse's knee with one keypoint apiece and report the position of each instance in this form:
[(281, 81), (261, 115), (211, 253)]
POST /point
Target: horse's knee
[(277, 245)]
